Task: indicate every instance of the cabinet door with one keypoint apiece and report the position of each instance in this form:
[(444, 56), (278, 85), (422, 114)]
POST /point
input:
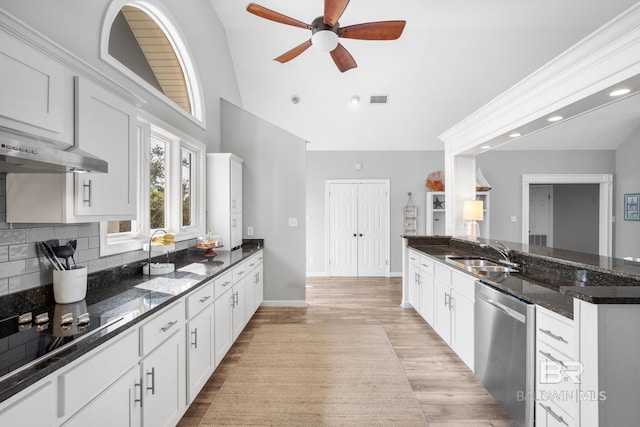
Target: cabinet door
[(236, 230), (414, 286), (33, 90), (427, 297), (36, 407), (250, 297), (236, 186), (259, 284), (223, 335), (105, 127), (199, 352), (442, 310), (239, 308), (118, 405), (163, 383), (462, 327)]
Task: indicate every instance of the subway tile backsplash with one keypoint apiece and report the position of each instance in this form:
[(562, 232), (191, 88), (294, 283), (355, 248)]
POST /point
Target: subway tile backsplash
[(22, 268)]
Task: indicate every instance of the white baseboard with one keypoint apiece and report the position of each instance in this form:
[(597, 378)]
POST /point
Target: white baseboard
[(284, 303), (396, 274), (316, 274)]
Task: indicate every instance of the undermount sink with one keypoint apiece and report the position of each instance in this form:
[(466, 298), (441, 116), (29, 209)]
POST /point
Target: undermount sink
[(480, 266)]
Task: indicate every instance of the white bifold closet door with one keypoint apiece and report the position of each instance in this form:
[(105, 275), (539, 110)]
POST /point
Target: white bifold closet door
[(358, 228)]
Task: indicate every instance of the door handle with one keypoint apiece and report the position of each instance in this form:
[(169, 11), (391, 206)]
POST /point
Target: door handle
[(355, 235), (194, 334), (153, 380), (360, 234)]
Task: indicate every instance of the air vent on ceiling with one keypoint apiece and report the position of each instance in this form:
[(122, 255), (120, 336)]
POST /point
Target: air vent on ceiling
[(379, 99)]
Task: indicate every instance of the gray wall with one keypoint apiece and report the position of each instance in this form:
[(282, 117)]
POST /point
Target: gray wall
[(504, 169), (575, 217), (627, 233), (273, 191), (407, 172)]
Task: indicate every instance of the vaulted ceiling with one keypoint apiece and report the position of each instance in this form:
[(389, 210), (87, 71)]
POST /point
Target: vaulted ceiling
[(453, 57)]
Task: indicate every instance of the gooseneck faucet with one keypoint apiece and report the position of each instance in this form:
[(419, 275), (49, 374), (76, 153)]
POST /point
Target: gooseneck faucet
[(503, 250)]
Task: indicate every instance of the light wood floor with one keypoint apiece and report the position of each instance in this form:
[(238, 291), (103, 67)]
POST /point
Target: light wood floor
[(445, 388)]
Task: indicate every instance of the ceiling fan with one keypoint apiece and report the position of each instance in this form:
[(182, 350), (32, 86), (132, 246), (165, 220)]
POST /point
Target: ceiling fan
[(325, 31)]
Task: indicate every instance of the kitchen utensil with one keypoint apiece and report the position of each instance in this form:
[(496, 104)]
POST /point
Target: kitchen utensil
[(53, 243), (50, 255), (73, 244), (65, 252)]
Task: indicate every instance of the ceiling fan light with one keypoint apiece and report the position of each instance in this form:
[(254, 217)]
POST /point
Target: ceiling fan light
[(324, 40)]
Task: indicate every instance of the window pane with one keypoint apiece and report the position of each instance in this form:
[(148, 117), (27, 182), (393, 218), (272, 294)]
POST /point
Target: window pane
[(137, 42), (187, 182), (116, 227), (158, 183)]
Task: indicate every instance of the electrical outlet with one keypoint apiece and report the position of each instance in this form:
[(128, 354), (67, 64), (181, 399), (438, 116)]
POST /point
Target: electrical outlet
[(249, 231), (311, 259), (514, 219)]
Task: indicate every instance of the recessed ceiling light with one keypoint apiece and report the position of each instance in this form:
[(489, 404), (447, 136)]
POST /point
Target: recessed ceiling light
[(355, 100), (295, 99), (515, 135), (620, 92), (555, 118), (485, 147)]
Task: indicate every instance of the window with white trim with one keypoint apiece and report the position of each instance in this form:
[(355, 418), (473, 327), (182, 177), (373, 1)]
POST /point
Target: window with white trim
[(171, 179)]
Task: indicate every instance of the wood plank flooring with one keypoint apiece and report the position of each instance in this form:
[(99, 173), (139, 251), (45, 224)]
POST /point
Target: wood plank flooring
[(445, 388)]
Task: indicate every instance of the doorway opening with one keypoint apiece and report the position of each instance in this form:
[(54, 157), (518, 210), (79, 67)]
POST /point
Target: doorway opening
[(357, 228), (602, 227)]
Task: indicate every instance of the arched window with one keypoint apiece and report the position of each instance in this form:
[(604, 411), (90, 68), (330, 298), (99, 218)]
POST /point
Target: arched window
[(140, 39)]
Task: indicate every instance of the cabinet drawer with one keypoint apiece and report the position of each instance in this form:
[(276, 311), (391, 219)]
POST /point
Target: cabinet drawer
[(222, 284), (87, 379), (464, 283), (201, 298), (442, 273), (556, 331), (427, 265), (557, 379), (161, 327), (414, 258), (239, 272), (549, 415)]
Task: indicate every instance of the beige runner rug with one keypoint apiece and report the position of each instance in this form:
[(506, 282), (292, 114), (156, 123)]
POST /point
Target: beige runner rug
[(316, 375)]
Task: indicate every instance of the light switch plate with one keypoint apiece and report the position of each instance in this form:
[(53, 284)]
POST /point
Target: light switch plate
[(293, 222), (514, 219)]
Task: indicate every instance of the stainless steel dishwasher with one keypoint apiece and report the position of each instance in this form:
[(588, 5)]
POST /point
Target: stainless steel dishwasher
[(505, 350)]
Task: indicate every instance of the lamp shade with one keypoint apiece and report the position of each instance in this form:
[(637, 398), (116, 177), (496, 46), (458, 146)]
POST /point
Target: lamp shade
[(472, 210)]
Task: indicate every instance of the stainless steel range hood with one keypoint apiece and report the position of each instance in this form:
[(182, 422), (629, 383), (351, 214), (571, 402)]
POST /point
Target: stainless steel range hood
[(23, 153)]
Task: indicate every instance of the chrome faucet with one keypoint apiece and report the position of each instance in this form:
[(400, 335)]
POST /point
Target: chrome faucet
[(503, 250), (150, 240)]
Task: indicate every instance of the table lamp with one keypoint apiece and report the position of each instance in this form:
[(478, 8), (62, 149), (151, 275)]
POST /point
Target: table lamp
[(472, 212)]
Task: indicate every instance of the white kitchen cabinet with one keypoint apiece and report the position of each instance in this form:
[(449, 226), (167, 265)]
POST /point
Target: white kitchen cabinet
[(163, 367), (254, 285), (224, 301), (200, 336), (454, 310), (118, 405), (224, 198), (35, 406), (238, 310), (86, 379), (163, 380), (37, 92), (105, 126), (414, 286)]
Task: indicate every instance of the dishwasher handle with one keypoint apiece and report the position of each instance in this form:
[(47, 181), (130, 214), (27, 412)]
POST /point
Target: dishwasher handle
[(519, 317)]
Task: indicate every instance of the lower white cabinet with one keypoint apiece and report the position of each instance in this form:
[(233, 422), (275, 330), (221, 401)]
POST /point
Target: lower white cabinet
[(223, 334), (238, 309), (200, 357), (118, 405), (35, 406)]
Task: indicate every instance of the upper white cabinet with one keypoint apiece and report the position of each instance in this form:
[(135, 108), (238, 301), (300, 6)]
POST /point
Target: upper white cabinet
[(224, 198), (105, 127), (37, 96)]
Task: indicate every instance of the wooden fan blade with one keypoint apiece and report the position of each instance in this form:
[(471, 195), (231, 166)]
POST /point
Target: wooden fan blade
[(343, 59), (384, 30), (333, 10), (271, 15), (288, 56)]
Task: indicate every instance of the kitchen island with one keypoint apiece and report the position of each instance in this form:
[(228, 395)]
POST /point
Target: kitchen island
[(587, 306)]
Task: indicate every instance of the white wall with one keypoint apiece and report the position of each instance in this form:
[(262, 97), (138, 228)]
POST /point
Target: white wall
[(627, 180), (407, 172), (576, 217), (504, 169), (273, 191)]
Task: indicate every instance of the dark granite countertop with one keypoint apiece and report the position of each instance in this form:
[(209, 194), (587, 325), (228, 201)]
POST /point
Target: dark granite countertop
[(108, 295), (551, 277)]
